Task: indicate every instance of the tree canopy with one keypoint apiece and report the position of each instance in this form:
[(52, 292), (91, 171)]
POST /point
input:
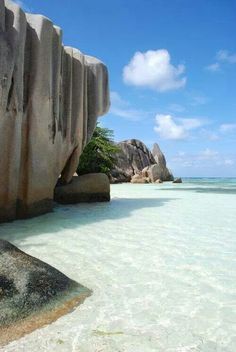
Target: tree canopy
[(99, 154)]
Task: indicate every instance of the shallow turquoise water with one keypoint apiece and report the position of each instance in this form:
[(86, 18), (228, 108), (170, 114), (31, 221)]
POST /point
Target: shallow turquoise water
[(160, 260)]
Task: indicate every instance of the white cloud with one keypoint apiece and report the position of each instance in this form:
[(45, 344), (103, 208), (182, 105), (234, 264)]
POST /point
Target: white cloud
[(227, 127), (169, 127), (153, 69), (122, 108), (222, 56), (213, 67), (225, 56)]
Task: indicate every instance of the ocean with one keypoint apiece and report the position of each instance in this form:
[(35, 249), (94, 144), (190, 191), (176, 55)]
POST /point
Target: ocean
[(160, 259)]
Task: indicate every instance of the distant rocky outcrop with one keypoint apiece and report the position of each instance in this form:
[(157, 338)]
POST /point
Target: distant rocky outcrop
[(85, 188), (134, 159), (32, 293), (164, 172), (178, 180), (50, 98)]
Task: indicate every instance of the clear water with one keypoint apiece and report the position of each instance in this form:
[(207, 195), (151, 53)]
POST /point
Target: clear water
[(160, 260)]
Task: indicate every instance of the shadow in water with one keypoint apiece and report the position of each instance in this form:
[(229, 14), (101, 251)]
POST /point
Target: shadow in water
[(76, 216), (216, 190)]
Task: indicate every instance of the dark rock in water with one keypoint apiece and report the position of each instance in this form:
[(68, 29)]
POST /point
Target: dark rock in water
[(134, 157), (32, 293), (86, 188), (178, 180)]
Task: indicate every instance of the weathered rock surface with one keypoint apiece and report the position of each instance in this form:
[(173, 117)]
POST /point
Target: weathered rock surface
[(135, 158), (85, 188), (32, 293), (50, 98)]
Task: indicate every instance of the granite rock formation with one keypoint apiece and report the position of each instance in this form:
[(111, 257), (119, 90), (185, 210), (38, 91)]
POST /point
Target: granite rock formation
[(164, 173), (85, 188), (50, 98), (32, 293), (135, 158)]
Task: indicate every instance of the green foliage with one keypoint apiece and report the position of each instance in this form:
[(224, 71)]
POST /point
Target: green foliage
[(99, 154)]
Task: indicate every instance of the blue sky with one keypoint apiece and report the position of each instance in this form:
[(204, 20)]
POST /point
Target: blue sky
[(172, 66)]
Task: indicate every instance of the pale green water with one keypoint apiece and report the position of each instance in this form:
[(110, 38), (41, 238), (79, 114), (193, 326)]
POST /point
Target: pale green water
[(160, 260)]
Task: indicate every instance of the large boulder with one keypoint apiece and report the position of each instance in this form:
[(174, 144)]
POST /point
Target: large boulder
[(32, 293), (50, 98), (85, 188), (155, 172)]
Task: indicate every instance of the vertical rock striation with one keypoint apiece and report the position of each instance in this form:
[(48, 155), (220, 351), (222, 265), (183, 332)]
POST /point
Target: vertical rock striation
[(50, 98)]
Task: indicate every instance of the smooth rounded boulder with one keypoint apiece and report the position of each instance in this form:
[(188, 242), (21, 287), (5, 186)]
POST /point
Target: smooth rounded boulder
[(86, 188), (32, 293)]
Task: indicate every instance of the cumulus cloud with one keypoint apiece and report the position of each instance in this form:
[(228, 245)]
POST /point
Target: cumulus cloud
[(169, 127), (153, 69), (122, 108)]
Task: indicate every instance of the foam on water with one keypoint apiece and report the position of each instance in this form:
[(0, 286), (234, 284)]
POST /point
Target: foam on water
[(160, 260)]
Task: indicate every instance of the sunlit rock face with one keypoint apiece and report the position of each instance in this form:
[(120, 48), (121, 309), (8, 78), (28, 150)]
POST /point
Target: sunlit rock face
[(50, 98)]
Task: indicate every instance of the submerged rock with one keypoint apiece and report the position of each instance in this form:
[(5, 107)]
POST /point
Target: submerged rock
[(85, 188), (50, 98), (32, 293)]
